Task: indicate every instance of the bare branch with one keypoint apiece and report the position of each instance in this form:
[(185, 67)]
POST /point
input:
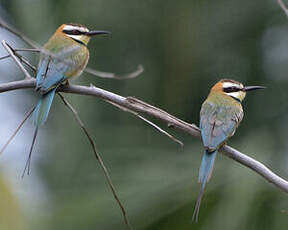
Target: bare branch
[(27, 50), (4, 57), (11, 52), (98, 157), (134, 74), (141, 107), (284, 8), (255, 166), (21, 58), (161, 130), (149, 122), (20, 50)]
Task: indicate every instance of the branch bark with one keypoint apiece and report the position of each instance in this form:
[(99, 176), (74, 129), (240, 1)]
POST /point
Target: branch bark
[(135, 105)]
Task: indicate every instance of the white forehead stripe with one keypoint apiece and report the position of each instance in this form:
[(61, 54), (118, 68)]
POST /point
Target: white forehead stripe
[(231, 84), (71, 27)]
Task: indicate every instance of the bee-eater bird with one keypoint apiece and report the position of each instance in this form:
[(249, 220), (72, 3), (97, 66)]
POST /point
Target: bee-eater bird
[(220, 115), (63, 57)]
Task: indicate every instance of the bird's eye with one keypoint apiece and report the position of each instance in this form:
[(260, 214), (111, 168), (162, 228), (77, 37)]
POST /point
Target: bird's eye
[(75, 32), (231, 89), (72, 32)]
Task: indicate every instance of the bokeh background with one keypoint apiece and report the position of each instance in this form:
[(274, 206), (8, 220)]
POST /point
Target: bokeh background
[(185, 47)]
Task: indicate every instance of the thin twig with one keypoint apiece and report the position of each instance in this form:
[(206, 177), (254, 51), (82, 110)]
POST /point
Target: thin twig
[(4, 57), (284, 8), (20, 50), (149, 122), (10, 51), (98, 157), (25, 61), (27, 50), (21, 58), (17, 130), (101, 74)]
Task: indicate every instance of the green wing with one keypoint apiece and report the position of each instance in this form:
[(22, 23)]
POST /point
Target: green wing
[(218, 122)]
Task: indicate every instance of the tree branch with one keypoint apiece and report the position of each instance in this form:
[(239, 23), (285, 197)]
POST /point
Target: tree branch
[(11, 52), (138, 106), (99, 159), (282, 5)]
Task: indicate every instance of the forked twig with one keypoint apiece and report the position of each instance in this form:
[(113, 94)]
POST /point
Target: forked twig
[(20, 50), (11, 52), (25, 61), (98, 157), (148, 122), (18, 55), (21, 58), (17, 130)]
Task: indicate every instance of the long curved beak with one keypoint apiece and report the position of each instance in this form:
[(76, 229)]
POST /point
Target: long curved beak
[(250, 88), (97, 32)]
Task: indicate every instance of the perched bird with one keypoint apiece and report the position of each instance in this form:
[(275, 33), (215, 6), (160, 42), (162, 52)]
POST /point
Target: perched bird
[(220, 115), (63, 57)]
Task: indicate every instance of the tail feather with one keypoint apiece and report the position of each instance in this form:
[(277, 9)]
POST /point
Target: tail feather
[(28, 161), (39, 117), (43, 107), (205, 173)]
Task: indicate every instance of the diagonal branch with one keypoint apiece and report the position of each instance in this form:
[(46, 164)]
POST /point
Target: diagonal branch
[(11, 52), (141, 107), (99, 159), (21, 58), (149, 123), (284, 8)]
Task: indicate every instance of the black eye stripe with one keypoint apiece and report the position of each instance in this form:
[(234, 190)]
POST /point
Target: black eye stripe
[(231, 89), (73, 32)]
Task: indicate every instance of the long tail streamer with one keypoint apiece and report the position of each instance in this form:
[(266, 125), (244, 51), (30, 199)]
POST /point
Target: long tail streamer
[(205, 173)]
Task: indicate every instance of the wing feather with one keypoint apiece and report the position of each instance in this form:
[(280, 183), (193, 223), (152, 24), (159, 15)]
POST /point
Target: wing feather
[(218, 123)]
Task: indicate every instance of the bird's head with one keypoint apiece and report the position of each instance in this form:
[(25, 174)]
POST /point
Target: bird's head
[(233, 89), (78, 33)]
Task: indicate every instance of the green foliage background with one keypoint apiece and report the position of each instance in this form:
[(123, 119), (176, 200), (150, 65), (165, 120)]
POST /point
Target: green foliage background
[(185, 47)]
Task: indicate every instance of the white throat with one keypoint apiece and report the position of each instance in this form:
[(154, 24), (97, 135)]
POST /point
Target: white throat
[(237, 95)]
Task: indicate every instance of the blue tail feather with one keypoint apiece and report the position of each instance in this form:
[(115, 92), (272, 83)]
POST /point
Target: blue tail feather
[(207, 165), (205, 173), (39, 117), (42, 109)]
